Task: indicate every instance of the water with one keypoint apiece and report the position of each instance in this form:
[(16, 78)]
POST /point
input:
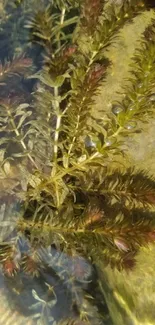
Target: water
[(56, 235), (38, 284)]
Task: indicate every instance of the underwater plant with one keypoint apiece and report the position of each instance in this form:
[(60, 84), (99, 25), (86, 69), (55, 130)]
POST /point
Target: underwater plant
[(71, 204)]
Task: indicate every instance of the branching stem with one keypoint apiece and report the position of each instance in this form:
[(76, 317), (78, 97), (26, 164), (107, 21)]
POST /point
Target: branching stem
[(56, 103), (62, 18)]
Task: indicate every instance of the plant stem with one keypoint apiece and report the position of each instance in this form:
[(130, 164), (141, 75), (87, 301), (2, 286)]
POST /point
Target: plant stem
[(62, 18), (58, 122), (56, 103)]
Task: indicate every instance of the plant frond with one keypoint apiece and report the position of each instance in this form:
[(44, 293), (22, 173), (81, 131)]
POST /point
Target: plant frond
[(80, 104), (85, 81), (137, 104), (135, 188), (121, 232), (14, 121), (50, 27), (17, 67), (105, 25)]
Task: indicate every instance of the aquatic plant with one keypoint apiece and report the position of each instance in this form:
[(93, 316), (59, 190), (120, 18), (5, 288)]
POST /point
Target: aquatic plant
[(74, 206)]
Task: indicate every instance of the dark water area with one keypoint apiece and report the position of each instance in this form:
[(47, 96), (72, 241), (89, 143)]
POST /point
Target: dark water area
[(151, 3)]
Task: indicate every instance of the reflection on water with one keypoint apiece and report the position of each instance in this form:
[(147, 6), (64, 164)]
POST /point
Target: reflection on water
[(40, 283), (44, 286)]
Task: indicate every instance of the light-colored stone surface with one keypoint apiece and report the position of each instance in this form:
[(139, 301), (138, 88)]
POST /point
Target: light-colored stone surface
[(130, 297), (120, 54)]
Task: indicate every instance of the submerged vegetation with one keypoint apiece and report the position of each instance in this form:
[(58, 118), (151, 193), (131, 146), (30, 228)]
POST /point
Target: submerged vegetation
[(65, 202)]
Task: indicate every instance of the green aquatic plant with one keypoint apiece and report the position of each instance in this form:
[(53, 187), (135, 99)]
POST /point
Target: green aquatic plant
[(57, 159)]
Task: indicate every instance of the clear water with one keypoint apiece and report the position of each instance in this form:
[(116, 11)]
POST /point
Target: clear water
[(39, 282), (58, 286)]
